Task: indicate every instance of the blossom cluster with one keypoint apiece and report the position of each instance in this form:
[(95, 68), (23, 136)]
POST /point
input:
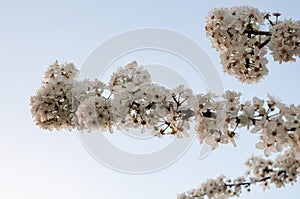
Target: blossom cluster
[(131, 100), (242, 35), (284, 43), (284, 170), (219, 117), (64, 102), (52, 106)]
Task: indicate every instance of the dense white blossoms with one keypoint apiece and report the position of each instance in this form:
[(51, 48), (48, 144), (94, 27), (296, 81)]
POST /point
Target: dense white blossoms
[(129, 78), (52, 106), (95, 113), (130, 100), (285, 39), (242, 38)]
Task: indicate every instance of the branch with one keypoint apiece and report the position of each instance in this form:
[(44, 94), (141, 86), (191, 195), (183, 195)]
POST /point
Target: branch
[(256, 32), (278, 172)]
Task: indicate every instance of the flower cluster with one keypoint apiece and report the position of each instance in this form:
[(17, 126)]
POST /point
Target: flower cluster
[(285, 39), (284, 170), (238, 35), (52, 106), (130, 100), (216, 117), (277, 123), (134, 102), (95, 113), (129, 78)]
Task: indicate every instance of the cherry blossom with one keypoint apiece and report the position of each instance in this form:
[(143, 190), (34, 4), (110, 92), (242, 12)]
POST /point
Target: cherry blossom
[(242, 35), (130, 100), (52, 106), (65, 102), (95, 113), (285, 40), (242, 38), (284, 170)]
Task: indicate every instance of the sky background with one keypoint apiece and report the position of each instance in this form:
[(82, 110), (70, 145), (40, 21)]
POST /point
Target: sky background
[(40, 164)]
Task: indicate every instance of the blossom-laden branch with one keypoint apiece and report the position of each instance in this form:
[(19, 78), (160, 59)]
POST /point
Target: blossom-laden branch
[(64, 102), (130, 100), (242, 38), (284, 170)]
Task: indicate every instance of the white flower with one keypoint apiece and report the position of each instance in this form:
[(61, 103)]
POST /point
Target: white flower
[(130, 76), (95, 113), (55, 71), (241, 39), (63, 102), (285, 40), (52, 106)]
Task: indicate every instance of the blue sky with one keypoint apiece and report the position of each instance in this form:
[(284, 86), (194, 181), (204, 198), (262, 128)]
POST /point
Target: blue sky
[(41, 164)]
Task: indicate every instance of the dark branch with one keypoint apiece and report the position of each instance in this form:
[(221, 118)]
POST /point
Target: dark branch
[(256, 32)]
